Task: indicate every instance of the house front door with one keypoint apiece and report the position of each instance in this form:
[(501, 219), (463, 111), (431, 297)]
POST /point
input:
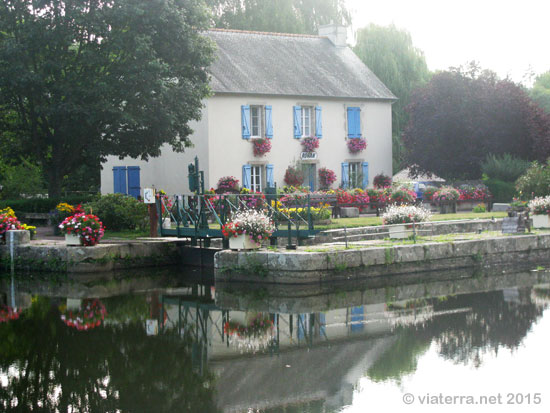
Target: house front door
[(309, 175)]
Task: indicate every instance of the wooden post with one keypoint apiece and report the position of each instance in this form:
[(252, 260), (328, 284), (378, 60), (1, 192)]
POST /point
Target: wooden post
[(153, 220)]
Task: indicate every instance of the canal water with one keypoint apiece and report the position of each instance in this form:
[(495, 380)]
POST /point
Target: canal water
[(173, 341)]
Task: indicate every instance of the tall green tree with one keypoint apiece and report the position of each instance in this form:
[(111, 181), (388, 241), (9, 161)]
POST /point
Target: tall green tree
[(389, 52), (89, 78), (286, 16), (540, 92)]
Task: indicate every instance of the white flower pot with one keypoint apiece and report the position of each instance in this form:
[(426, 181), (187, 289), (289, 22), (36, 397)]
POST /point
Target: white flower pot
[(541, 221), (72, 239), (243, 242), (399, 232), (166, 223)]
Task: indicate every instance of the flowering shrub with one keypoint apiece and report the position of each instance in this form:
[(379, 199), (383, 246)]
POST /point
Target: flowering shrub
[(294, 176), (405, 214), (228, 184), (326, 177), (7, 211), (255, 224), (380, 196), (382, 181), (89, 316), (6, 223), (261, 146), (255, 200), (88, 227), (356, 145), (446, 194), (474, 193), (7, 313), (310, 144), (429, 192), (540, 205), (402, 196)]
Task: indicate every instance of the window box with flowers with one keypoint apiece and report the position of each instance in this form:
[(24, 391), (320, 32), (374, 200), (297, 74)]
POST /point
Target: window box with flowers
[(248, 229), (82, 229)]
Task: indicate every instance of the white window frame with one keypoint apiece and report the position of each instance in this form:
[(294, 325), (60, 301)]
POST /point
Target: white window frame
[(256, 178), (308, 121), (355, 175), (259, 118)]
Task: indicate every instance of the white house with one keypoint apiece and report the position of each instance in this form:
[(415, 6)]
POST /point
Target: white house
[(284, 87)]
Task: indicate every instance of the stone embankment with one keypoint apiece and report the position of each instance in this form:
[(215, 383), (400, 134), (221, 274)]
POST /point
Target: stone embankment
[(360, 262)]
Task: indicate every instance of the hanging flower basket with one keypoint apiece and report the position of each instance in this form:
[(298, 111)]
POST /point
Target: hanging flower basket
[(310, 144), (261, 146), (90, 315)]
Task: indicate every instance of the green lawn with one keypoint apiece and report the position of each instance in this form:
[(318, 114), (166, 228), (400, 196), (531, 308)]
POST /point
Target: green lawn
[(336, 223), (372, 221)]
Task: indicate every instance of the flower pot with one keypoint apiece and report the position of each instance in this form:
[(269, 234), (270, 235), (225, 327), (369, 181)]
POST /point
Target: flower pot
[(541, 221), (243, 242), (72, 240), (166, 223), (399, 231)]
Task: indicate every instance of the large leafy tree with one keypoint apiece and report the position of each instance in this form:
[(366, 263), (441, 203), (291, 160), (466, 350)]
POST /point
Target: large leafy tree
[(286, 16), (88, 78), (389, 52), (462, 115)]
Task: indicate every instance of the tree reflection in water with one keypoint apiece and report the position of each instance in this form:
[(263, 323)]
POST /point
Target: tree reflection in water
[(495, 320), (47, 366)]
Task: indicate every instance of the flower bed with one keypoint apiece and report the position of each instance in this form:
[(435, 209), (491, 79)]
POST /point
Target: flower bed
[(473, 193), (254, 224), (261, 146), (540, 205), (405, 214), (356, 145), (90, 315), (88, 227), (317, 213)]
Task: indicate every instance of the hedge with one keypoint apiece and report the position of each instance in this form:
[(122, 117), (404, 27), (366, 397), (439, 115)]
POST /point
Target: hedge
[(43, 205)]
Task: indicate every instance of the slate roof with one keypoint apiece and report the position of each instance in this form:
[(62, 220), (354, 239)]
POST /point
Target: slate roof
[(290, 65)]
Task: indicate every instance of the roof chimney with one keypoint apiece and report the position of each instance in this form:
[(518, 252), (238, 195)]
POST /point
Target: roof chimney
[(336, 33)]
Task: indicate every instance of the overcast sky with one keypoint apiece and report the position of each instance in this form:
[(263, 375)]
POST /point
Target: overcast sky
[(509, 37)]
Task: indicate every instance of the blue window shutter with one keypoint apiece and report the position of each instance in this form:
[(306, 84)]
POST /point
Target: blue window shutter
[(269, 176), (318, 122), (268, 123), (345, 175), (365, 166), (119, 176), (134, 187), (354, 122), (245, 121), (297, 122), (246, 176)]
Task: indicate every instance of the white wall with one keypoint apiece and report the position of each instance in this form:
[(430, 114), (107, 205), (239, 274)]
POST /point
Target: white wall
[(222, 151), (168, 171)]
